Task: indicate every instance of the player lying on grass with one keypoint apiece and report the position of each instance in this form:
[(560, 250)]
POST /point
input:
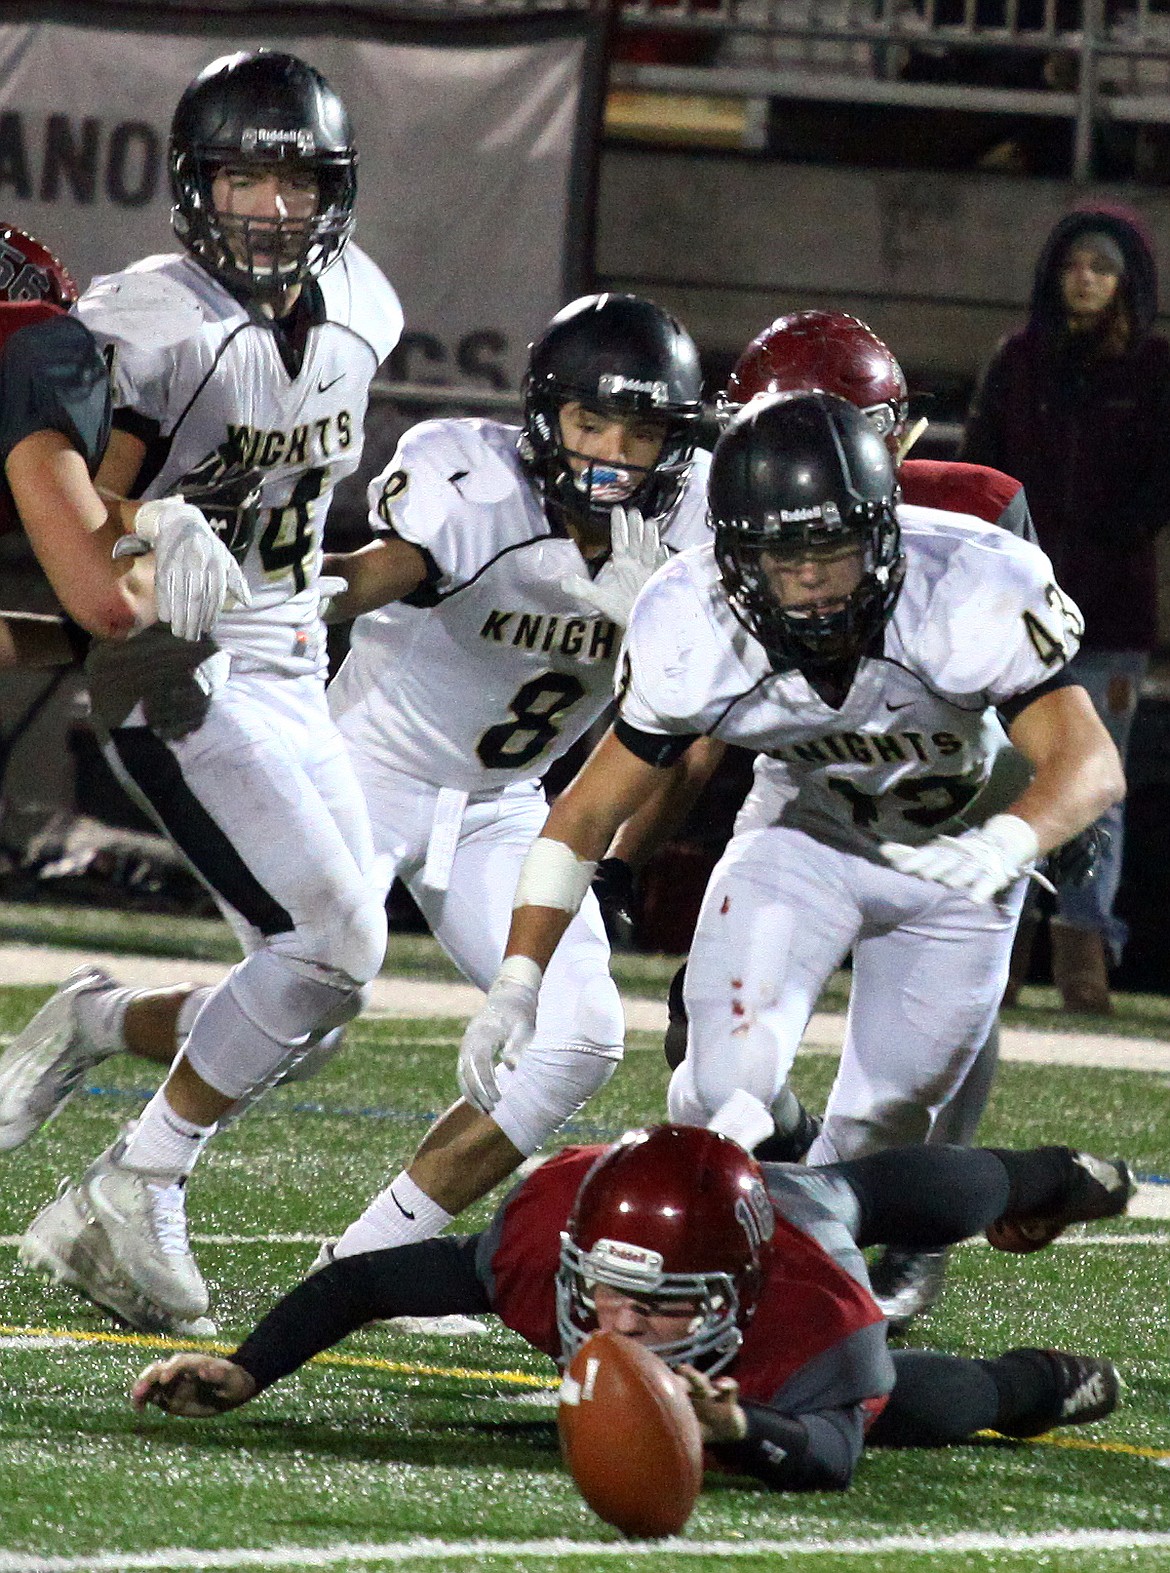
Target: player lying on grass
[(747, 1278)]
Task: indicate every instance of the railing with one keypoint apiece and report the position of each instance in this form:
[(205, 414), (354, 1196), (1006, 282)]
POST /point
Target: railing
[(1098, 61)]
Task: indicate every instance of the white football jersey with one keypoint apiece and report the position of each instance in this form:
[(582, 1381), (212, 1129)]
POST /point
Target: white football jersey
[(221, 410), (495, 669), (979, 620)]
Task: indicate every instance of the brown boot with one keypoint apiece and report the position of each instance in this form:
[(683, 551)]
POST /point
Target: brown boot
[(1079, 969), (1021, 961)]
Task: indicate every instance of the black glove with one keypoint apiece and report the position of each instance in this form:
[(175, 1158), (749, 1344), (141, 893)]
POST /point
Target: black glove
[(1077, 861), (613, 885)]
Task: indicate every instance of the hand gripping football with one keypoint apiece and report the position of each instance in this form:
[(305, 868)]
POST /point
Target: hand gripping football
[(630, 1437)]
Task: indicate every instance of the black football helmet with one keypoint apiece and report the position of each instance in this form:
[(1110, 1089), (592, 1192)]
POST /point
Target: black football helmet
[(793, 473), (262, 107), (616, 354)]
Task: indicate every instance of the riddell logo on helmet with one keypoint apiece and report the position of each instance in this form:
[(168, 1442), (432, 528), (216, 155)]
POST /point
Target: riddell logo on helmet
[(636, 1259), (258, 139), (611, 383), (823, 513)]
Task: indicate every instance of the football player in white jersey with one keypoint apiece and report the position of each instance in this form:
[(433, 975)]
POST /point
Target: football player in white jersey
[(862, 650), (256, 414), (510, 575)]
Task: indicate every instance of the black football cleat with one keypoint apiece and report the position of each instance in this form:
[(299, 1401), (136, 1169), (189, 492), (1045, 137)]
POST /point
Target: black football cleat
[(1095, 1188), (1083, 1389), (906, 1284), (792, 1145)]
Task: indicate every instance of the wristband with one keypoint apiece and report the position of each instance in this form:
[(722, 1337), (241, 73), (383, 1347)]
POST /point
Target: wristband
[(519, 969)]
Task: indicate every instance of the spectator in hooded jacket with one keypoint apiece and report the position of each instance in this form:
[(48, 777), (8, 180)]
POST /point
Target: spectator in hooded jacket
[(1076, 405)]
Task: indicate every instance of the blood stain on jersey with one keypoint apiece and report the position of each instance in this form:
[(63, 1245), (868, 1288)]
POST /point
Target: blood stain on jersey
[(725, 907)]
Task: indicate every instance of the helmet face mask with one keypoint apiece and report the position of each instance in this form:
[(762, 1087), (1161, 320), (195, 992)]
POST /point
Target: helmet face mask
[(615, 357), (797, 477), (245, 119), (674, 1216), (30, 272), (830, 351)]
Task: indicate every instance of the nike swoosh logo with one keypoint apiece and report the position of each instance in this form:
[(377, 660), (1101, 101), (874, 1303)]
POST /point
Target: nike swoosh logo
[(324, 387), (400, 1207), (97, 1186), (904, 706)]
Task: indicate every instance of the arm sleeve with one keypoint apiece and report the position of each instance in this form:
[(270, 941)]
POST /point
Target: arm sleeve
[(53, 378), (810, 1452), (433, 1278)]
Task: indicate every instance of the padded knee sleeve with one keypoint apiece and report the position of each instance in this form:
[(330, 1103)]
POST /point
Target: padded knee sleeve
[(547, 1087), (349, 939), (263, 1013)]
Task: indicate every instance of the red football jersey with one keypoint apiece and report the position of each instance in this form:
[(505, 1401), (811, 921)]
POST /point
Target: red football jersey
[(809, 1305), (965, 488)]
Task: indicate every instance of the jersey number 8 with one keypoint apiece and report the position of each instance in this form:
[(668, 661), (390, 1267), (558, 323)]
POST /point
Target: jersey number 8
[(537, 710)]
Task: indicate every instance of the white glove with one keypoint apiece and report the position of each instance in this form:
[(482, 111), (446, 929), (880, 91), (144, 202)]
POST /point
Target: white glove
[(636, 551), (981, 863), (195, 576), (328, 586), (501, 1031)]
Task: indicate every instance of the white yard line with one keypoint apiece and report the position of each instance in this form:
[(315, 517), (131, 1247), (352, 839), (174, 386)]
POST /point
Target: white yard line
[(480, 1551), (411, 997)]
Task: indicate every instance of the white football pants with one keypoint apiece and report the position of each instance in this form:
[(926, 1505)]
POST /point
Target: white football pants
[(780, 914), (579, 1022), (264, 802)]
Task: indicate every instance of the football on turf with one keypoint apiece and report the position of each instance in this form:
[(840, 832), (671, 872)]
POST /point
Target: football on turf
[(630, 1437)]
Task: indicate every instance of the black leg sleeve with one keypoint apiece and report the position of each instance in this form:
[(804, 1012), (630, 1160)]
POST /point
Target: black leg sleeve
[(432, 1278), (937, 1399), (919, 1198)]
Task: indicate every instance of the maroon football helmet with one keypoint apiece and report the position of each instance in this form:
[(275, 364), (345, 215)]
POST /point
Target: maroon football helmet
[(30, 271), (832, 352), (671, 1213)]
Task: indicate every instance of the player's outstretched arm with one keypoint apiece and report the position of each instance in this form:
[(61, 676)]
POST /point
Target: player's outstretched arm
[(611, 785), (195, 1385)]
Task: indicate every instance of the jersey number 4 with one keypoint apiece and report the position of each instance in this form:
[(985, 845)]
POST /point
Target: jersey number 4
[(287, 543), (537, 713)]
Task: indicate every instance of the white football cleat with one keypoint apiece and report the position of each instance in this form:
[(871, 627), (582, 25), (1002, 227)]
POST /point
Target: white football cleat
[(42, 1066), (62, 1242), (143, 1251)]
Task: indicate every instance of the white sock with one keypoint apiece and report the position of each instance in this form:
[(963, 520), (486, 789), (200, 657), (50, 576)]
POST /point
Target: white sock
[(100, 1015), (399, 1215), (163, 1142)]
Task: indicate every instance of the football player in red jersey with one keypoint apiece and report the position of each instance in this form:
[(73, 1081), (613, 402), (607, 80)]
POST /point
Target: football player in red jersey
[(748, 1279), (54, 425), (837, 353)]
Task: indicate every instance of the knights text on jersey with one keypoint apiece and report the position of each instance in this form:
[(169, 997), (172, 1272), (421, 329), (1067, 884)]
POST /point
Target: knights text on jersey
[(52, 378), (258, 447), (810, 1307), (494, 669), (979, 621)]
